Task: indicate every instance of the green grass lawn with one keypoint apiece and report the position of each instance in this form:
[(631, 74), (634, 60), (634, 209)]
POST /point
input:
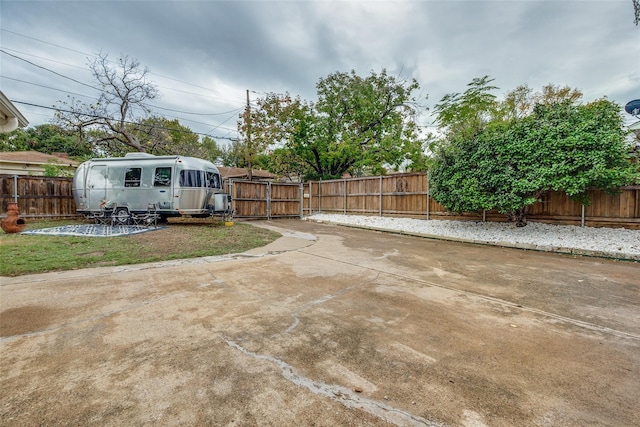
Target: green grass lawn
[(26, 254)]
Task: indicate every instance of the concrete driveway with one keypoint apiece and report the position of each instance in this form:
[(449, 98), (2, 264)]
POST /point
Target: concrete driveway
[(327, 326)]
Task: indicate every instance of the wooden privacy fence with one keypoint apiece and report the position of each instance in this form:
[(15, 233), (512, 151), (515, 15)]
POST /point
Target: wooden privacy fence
[(50, 197), (408, 195), (404, 195), (251, 199), (38, 196)]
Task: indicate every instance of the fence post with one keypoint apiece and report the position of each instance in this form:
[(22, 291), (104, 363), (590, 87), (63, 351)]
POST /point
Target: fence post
[(582, 211), (268, 200), (301, 191), (428, 195), (310, 197), (344, 196), (232, 207), (15, 189), (320, 195), (380, 204)]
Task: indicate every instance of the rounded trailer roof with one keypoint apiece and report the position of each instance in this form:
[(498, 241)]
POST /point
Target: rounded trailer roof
[(186, 161)]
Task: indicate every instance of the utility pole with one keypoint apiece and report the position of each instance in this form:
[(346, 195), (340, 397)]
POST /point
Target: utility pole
[(249, 147)]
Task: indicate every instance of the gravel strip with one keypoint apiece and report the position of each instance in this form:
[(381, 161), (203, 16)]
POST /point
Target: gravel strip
[(608, 242)]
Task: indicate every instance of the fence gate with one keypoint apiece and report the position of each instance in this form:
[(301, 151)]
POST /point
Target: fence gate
[(265, 200)]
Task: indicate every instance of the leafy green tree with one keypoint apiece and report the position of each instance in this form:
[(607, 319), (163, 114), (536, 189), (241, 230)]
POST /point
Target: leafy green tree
[(212, 151), (161, 136), (363, 122), (263, 161), (53, 169), (275, 120), (284, 162), (465, 115), (417, 158), (509, 164), (233, 154), (47, 139), (358, 123), (520, 102)]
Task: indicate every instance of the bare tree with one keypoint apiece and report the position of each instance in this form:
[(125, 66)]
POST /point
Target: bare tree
[(117, 119), (636, 11)]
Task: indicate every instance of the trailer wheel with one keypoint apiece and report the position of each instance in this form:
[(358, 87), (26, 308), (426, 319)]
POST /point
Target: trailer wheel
[(121, 216)]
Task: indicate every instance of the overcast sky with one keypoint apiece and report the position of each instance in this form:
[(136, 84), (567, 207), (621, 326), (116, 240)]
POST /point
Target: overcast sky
[(204, 55)]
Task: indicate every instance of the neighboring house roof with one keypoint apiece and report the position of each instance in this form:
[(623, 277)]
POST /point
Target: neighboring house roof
[(243, 173), (10, 117), (31, 162)]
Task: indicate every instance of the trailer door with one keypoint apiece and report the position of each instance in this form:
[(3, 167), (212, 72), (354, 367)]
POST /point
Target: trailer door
[(96, 186), (162, 184)]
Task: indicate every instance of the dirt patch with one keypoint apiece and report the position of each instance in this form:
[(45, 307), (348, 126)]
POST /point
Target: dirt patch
[(29, 318), (184, 234), (93, 254), (163, 241)]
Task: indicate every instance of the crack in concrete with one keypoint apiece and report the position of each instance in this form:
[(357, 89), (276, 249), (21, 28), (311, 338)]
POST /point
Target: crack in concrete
[(346, 397)]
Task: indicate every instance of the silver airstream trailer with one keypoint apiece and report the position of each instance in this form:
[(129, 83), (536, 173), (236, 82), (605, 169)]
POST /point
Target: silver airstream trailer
[(132, 186)]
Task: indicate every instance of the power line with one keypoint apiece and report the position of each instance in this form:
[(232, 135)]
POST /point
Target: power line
[(46, 87), (42, 41), (220, 125), (145, 105), (149, 106), (95, 56), (182, 119), (61, 75), (194, 93), (81, 68), (233, 112), (46, 69), (97, 116), (43, 58), (195, 114)]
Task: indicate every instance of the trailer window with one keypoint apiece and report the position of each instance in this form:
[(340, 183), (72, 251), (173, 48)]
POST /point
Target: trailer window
[(132, 177), (213, 180), (162, 177), (191, 178)]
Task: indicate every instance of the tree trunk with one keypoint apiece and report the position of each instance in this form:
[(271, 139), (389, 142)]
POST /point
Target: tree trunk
[(519, 217)]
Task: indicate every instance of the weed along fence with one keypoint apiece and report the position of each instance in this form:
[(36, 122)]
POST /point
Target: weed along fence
[(405, 195), (408, 195), (38, 196)]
